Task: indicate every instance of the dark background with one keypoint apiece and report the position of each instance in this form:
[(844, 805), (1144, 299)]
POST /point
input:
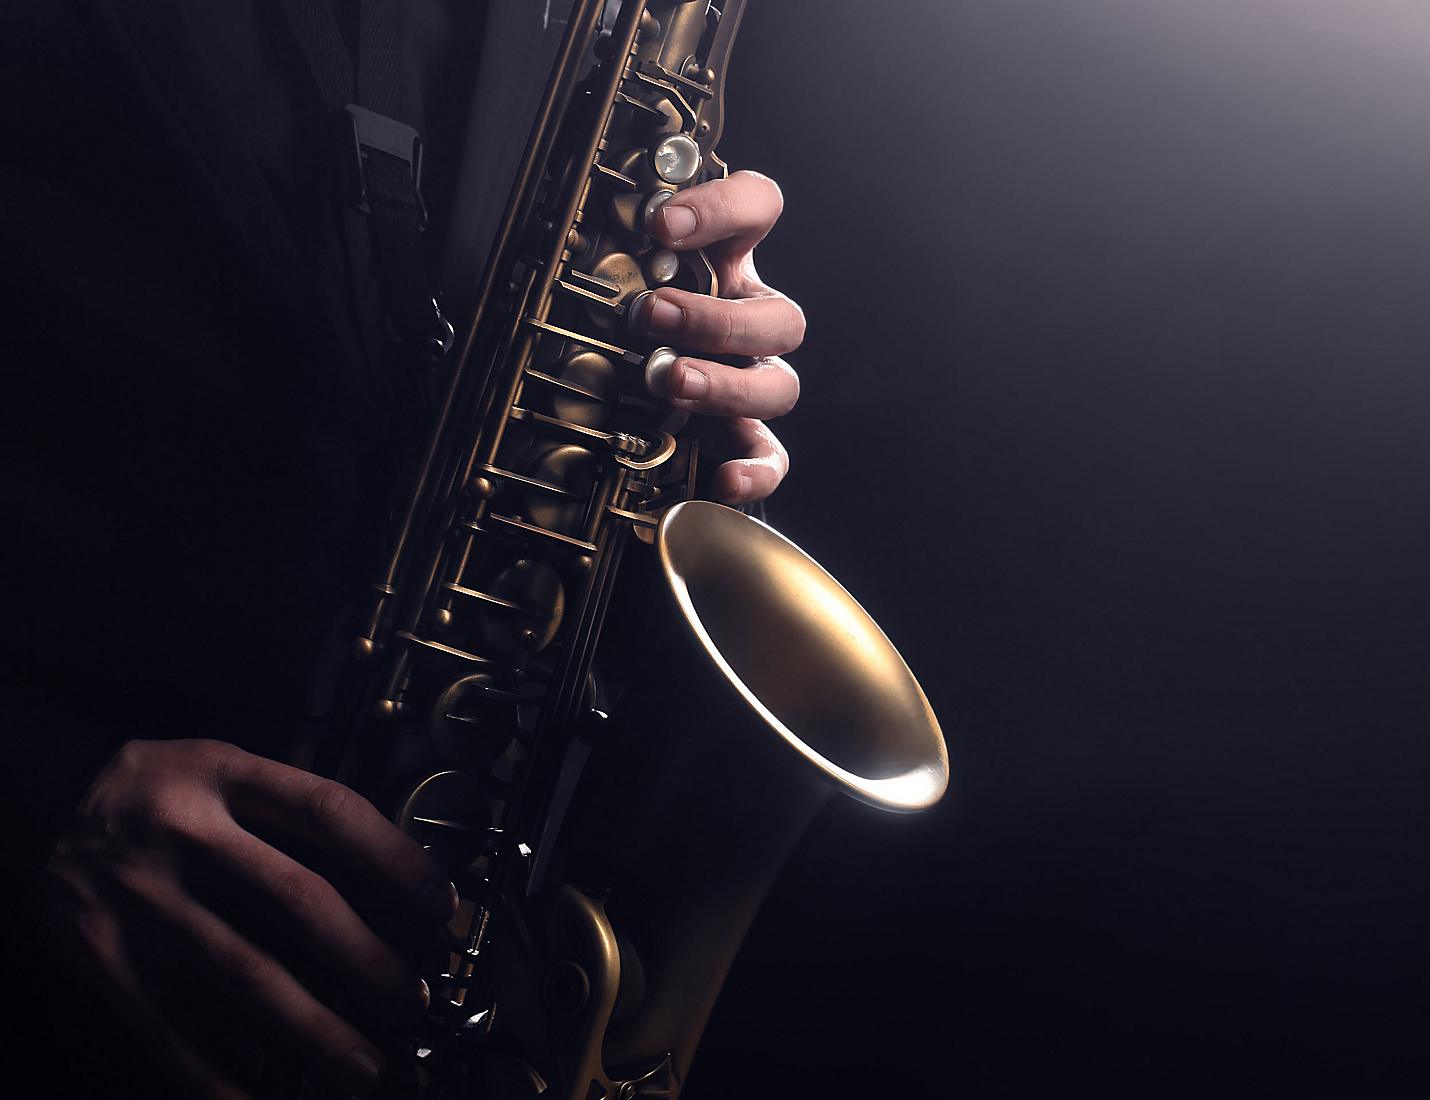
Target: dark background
[(1117, 417)]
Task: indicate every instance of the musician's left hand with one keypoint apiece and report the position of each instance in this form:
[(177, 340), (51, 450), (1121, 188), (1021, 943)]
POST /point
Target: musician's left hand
[(727, 218)]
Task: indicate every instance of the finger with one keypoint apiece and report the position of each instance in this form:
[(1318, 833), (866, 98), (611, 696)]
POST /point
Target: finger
[(120, 984), (260, 985), (769, 324), (765, 389), (343, 824), (762, 464), (740, 209), (319, 918)]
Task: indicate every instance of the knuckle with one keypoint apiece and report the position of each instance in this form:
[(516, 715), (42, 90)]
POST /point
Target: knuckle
[(743, 390), (216, 758), (134, 755), (724, 329), (296, 891), (73, 907), (97, 930), (395, 857), (157, 818), (195, 820), (146, 797), (65, 890), (790, 387), (140, 883), (381, 967), (779, 454), (773, 196), (138, 761), (776, 196), (797, 323), (244, 970), (727, 206), (328, 1036), (329, 803)]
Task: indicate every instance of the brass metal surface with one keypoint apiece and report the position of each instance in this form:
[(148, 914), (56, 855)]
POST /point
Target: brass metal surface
[(610, 841), (804, 655)]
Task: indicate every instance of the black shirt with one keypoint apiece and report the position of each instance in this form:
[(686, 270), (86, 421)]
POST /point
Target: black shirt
[(197, 440)]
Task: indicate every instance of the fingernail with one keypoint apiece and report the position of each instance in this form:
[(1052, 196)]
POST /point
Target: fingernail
[(406, 1010), (663, 316), (365, 1068), (439, 899), (679, 221), (691, 383), (744, 485)]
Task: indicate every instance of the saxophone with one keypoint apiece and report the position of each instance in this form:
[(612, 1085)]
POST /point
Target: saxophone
[(611, 827)]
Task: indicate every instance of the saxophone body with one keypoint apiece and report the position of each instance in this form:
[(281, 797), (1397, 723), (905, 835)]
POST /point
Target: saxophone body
[(609, 708)]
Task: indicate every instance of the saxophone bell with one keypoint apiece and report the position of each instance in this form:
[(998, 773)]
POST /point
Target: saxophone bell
[(695, 797), (804, 656), (611, 822)]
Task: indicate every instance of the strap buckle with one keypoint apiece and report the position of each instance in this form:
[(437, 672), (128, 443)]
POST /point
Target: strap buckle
[(377, 134)]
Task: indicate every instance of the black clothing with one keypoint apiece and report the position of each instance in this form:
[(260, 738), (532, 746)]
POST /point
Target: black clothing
[(198, 428), (198, 432)]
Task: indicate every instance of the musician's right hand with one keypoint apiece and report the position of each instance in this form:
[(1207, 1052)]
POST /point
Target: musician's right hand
[(177, 846), (728, 218)]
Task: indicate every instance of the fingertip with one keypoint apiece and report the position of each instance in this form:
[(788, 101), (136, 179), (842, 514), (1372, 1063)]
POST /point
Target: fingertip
[(678, 222), (735, 485), (658, 315), (364, 1069), (439, 901), (408, 1007), (686, 383)]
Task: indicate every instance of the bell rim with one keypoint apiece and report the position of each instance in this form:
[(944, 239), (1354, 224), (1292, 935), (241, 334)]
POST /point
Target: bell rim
[(917, 788)]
